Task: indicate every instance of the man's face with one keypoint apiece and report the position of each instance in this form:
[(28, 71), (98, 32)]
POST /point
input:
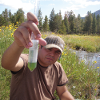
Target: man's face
[(49, 56)]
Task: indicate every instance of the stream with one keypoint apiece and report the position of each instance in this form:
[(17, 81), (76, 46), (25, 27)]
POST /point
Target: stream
[(92, 59)]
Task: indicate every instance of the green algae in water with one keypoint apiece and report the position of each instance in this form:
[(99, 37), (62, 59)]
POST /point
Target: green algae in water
[(32, 66)]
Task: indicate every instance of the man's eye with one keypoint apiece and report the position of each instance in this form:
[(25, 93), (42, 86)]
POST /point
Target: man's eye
[(49, 49), (58, 52)]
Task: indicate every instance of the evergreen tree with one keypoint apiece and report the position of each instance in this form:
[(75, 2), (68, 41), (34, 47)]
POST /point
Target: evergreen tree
[(88, 23), (10, 15), (94, 27), (51, 21), (6, 18), (45, 24), (20, 16), (40, 19), (71, 19), (1, 20), (57, 22), (78, 24), (98, 24), (66, 23), (62, 30), (13, 18)]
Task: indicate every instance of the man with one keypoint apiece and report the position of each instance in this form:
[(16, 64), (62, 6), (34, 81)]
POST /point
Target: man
[(48, 76)]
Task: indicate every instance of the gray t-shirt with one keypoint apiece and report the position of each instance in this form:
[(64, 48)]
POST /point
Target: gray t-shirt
[(40, 84)]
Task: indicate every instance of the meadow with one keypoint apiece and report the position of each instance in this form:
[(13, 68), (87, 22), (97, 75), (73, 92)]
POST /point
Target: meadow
[(83, 80)]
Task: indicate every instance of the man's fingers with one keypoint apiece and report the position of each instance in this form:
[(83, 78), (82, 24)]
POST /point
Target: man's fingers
[(25, 33), (32, 17), (42, 42), (33, 27), (19, 39)]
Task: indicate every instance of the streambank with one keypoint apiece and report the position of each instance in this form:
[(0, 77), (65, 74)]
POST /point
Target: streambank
[(89, 58)]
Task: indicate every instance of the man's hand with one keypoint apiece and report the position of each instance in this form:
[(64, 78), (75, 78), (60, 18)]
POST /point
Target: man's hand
[(22, 35), (22, 39)]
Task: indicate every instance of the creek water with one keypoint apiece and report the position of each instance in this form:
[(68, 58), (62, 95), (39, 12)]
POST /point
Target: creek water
[(92, 59)]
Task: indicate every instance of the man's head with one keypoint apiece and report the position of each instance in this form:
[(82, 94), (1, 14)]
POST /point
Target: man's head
[(54, 42), (50, 53)]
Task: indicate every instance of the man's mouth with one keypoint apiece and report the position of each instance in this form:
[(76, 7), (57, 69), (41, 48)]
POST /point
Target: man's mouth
[(50, 58)]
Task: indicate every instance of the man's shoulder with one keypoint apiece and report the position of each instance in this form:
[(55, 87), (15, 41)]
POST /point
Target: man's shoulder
[(57, 65)]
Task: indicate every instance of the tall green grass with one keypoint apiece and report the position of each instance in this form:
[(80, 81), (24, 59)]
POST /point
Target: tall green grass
[(6, 38), (83, 80), (87, 43)]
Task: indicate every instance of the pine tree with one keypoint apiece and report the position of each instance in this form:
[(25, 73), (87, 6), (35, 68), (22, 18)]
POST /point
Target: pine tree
[(20, 16), (66, 23), (98, 24), (45, 24), (1, 20), (88, 23), (40, 26), (94, 27), (5, 15), (51, 21), (78, 24), (62, 30), (57, 22), (10, 15), (71, 19), (13, 18)]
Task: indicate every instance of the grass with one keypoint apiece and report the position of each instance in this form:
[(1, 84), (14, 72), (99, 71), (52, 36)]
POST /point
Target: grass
[(87, 43), (83, 81)]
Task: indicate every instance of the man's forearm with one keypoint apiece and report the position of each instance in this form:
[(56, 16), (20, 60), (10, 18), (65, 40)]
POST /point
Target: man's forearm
[(11, 56), (66, 96)]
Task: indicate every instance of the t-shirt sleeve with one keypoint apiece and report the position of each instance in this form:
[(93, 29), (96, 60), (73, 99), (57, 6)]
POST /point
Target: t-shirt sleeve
[(25, 60), (62, 78)]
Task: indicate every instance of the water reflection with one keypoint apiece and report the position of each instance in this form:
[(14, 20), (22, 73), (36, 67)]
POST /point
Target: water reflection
[(92, 59)]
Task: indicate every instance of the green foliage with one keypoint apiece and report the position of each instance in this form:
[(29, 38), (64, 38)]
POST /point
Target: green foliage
[(87, 43), (71, 19), (51, 21), (83, 80), (98, 23), (73, 24), (78, 24), (66, 23), (88, 23), (7, 17), (5, 78), (94, 27), (45, 24), (39, 16), (62, 29), (1, 20), (20, 16)]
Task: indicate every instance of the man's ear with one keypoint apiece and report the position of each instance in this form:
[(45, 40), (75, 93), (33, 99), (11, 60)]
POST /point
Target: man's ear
[(60, 57)]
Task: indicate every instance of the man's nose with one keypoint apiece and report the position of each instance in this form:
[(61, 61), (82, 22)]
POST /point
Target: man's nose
[(52, 53)]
